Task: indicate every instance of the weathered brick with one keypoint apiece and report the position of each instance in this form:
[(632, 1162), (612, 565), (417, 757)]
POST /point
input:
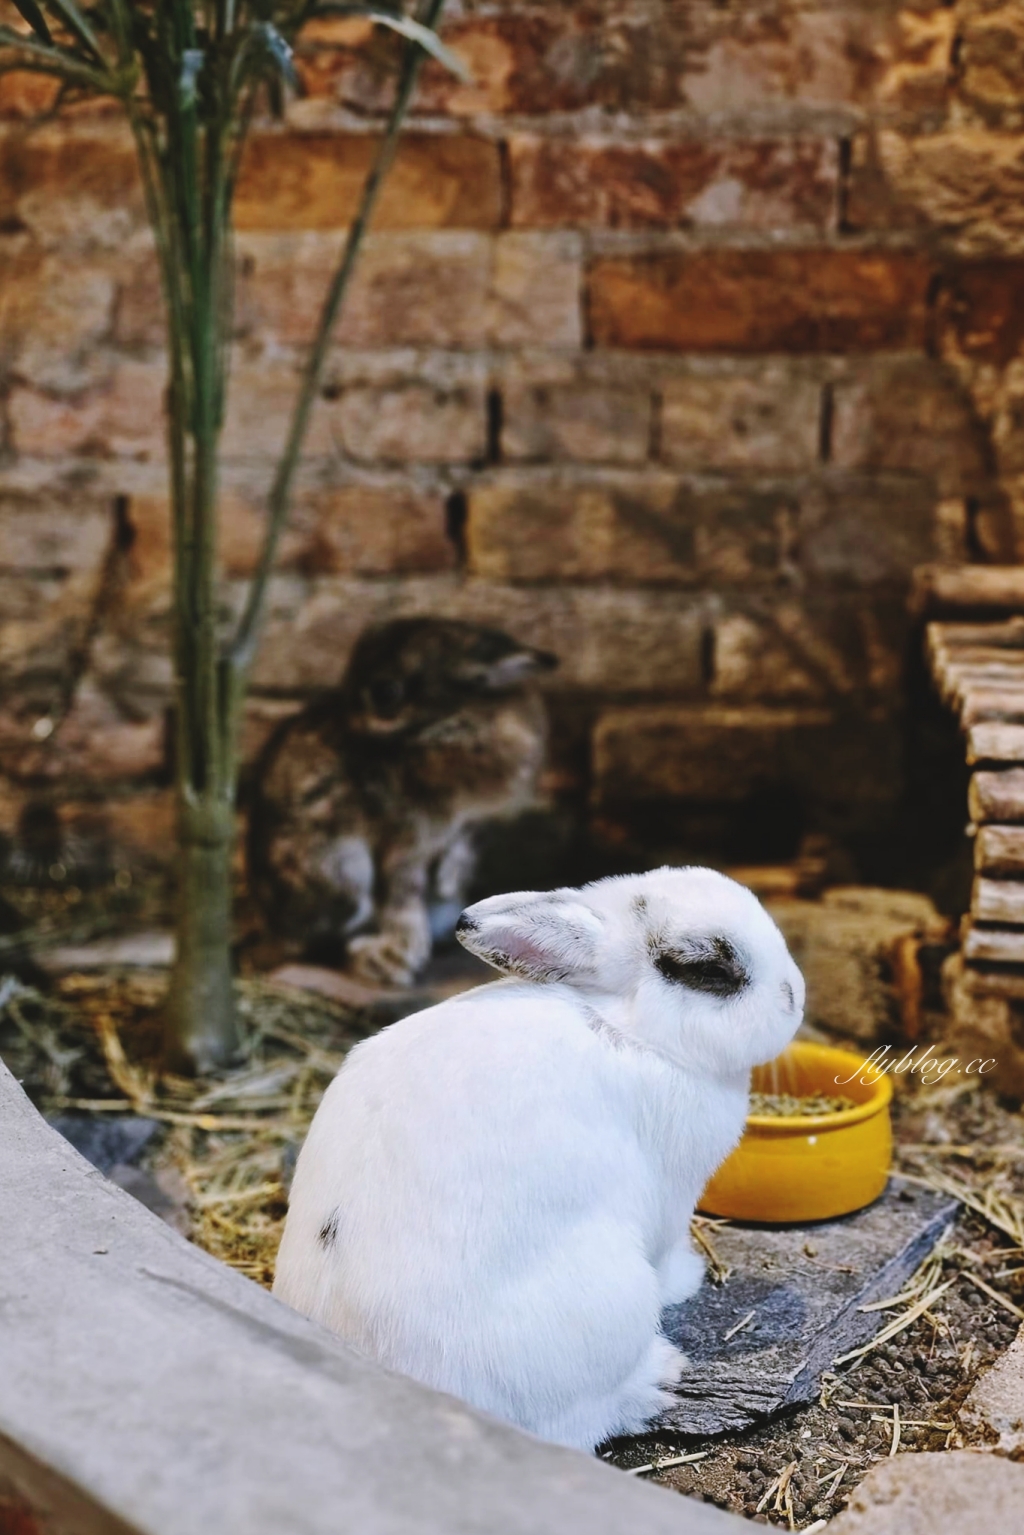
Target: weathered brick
[(123, 417), (650, 528), (991, 60), (536, 291), (707, 752), (767, 417), (262, 391), (446, 288), (758, 301), (758, 184), (414, 289), (369, 530), (916, 57), (623, 641), (43, 618), (908, 414), (138, 308), (36, 533), (625, 57), (589, 423), (363, 529), (315, 181), (805, 646), (408, 423), (97, 741), (71, 187), (866, 531), (53, 313), (981, 311), (965, 185), (25, 95), (762, 55)]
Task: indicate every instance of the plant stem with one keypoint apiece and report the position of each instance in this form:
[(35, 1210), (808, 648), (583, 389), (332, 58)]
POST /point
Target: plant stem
[(200, 1031)]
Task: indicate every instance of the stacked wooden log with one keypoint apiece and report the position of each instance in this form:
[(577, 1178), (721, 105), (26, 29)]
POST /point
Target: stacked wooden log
[(977, 660)]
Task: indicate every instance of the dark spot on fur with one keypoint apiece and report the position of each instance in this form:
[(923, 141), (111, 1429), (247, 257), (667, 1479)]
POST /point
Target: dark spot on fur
[(711, 966), (328, 1233), (787, 996), (640, 905), (466, 924)]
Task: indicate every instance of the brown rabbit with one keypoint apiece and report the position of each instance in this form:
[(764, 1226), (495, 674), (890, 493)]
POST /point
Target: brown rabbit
[(365, 800)]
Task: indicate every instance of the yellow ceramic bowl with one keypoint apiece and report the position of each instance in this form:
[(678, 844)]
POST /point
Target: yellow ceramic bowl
[(816, 1166)]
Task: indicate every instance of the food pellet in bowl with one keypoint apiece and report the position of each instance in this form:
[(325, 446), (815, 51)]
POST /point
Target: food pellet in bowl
[(790, 1106)]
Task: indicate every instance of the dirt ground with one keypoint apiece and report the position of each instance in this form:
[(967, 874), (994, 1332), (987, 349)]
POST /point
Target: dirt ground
[(224, 1154)]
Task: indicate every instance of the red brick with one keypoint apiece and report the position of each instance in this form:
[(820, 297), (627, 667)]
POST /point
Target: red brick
[(762, 184), (759, 301), (315, 181), (27, 95), (981, 310), (82, 187)]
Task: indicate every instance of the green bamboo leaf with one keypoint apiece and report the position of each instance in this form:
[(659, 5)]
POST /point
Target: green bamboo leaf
[(192, 61), (279, 53), (51, 59), (35, 18), (414, 31), (75, 21)]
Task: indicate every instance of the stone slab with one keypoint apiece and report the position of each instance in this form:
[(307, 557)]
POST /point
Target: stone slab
[(805, 1285), (146, 1389), (993, 1413), (954, 1492)]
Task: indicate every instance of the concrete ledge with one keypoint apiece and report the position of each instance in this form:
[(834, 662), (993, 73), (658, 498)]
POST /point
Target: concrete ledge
[(146, 1388)]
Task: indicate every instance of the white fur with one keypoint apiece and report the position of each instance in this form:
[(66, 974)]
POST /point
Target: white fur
[(495, 1194)]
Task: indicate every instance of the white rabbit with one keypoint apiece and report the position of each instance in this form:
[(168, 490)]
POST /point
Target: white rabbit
[(495, 1194)]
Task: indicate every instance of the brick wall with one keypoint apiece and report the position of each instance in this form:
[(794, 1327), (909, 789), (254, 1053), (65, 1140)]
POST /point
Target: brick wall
[(686, 331)]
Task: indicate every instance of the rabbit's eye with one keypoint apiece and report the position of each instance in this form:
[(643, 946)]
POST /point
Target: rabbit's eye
[(718, 976), (387, 697)]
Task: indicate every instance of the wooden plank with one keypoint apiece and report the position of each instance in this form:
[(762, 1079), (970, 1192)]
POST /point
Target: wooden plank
[(997, 797), (998, 900), (949, 638), (996, 945), (986, 981), (999, 850), (985, 703), (952, 589), (995, 742)]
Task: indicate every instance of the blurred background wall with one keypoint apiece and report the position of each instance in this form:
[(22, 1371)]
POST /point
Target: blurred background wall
[(686, 332)]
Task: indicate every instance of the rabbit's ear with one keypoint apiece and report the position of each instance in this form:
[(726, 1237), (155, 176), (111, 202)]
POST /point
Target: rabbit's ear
[(540, 936)]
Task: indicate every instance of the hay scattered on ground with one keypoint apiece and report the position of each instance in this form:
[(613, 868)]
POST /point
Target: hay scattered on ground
[(232, 1138)]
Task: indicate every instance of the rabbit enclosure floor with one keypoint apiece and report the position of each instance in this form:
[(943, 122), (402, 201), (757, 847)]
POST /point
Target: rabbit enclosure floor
[(768, 1425)]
